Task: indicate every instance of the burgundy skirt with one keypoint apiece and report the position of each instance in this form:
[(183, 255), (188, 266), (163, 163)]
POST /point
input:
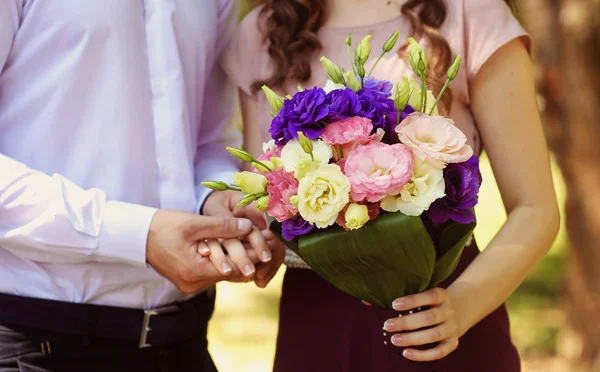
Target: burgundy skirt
[(323, 329)]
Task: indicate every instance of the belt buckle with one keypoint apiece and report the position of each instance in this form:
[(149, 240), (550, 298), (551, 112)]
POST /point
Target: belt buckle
[(146, 322)]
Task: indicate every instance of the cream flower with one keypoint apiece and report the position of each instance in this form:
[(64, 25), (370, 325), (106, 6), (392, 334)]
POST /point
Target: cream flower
[(356, 216), (434, 139), (299, 162), (322, 195), (425, 186)]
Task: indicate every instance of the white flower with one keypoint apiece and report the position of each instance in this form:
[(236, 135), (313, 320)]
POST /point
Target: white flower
[(426, 186), (269, 146), (296, 160), (330, 85)]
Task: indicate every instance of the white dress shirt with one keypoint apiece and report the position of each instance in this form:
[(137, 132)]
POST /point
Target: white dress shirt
[(108, 110)]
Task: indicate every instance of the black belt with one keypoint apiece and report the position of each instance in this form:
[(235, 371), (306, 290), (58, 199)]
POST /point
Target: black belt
[(156, 327)]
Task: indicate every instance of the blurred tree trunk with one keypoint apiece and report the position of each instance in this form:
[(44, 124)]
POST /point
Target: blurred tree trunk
[(568, 33)]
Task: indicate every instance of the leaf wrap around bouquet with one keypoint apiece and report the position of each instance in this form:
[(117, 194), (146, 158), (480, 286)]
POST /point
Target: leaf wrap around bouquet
[(391, 257)]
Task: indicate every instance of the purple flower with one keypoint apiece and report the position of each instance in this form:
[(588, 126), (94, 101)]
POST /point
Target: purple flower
[(294, 227), (407, 111), (343, 104), (391, 118), (382, 87), (462, 186), (375, 106), (304, 113)]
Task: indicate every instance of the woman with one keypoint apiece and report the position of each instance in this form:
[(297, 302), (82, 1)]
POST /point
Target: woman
[(492, 101)]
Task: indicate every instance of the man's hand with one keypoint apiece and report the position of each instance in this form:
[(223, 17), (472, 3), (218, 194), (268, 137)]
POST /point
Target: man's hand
[(266, 246), (172, 247)]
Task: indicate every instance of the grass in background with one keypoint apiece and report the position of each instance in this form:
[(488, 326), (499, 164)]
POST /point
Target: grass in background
[(243, 331)]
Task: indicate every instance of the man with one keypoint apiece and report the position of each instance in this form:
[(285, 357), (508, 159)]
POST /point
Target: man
[(111, 114)]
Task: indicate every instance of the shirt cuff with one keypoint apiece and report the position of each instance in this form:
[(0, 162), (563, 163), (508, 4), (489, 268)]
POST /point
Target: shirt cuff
[(124, 233), (203, 192)]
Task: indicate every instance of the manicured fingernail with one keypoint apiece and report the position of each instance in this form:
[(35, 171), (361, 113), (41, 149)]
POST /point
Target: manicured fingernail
[(266, 256), (203, 250), (244, 224), (398, 305), (248, 270), (407, 353), (388, 325), (226, 268), (396, 339)]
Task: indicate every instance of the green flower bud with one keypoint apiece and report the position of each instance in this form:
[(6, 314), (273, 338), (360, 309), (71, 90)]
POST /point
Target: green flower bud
[(390, 42), (246, 200), (216, 185), (300, 88), (240, 154), (417, 58), (364, 50), (402, 94), (351, 81), (360, 70), (453, 70), (334, 73), (414, 94), (250, 182), (275, 100), (348, 40), (263, 203), (306, 144)]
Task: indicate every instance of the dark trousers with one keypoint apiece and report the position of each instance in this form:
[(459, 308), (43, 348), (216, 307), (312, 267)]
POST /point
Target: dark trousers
[(28, 350)]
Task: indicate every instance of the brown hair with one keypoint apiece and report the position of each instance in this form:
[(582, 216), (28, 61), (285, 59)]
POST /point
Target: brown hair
[(291, 28)]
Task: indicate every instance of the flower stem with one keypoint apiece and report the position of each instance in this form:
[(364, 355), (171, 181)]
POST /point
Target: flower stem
[(439, 96), (376, 62), (423, 94), (350, 57), (233, 187)]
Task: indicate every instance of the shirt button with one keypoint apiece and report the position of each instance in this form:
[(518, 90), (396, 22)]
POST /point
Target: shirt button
[(166, 172)]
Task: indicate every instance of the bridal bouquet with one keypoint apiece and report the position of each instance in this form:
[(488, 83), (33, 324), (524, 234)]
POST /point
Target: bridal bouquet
[(365, 181)]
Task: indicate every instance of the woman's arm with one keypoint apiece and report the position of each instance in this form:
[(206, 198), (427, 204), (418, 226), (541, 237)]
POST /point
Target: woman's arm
[(503, 103), (504, 106)]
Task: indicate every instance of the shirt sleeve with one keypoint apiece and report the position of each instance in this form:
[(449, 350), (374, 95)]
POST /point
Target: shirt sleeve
[(221, 119), (489, 25), (50, 219), (241, 59)]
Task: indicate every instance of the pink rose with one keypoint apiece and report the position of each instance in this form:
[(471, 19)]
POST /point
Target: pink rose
[(350, 133), (377, 170), (281, 187), (434, 139)]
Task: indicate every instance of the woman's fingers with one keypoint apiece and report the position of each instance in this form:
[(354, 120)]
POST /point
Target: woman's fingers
[(238, 255), (434, 296), (444, 348), (203, 249), (431, 317), (426, 336), (217, 256), (258, 242)]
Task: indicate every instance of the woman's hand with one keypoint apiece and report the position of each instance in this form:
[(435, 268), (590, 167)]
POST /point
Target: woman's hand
[(440, 317)]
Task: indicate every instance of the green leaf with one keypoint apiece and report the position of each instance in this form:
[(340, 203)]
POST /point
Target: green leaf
[(390, 257), (452, 242)]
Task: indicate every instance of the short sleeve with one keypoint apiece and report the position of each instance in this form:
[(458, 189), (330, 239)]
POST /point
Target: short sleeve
[(489, 25), (242, 58)]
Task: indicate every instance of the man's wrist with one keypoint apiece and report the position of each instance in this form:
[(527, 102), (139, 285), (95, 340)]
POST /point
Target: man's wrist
[(124, 233)]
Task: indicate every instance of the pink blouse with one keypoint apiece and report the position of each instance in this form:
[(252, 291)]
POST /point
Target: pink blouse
[(475, 29)]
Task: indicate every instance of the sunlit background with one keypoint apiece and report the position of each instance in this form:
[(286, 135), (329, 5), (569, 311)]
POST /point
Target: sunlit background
[(243, 331)]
